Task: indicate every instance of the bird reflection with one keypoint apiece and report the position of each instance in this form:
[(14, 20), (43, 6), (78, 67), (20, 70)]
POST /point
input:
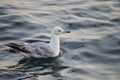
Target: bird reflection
[(39, 66)]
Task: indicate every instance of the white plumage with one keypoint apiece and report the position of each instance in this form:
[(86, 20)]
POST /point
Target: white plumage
[(40, 49)]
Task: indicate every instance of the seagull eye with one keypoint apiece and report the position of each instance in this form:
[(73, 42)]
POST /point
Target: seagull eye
[(59, 30)]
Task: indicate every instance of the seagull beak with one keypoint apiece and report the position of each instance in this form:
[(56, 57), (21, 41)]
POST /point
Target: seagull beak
[(66, 31)]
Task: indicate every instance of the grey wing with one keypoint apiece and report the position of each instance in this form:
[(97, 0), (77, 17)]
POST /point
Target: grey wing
[(18, 47), (40, 50)]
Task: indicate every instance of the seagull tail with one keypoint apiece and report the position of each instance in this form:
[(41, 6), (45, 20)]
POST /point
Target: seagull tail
[(16, 46)]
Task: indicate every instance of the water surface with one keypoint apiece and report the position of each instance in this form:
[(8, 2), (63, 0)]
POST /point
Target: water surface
[(90, 52)]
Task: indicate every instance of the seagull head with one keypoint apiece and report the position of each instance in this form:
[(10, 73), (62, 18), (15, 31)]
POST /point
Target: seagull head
[(58, 30)]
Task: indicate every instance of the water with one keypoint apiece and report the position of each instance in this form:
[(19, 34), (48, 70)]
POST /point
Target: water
[(90, 52)]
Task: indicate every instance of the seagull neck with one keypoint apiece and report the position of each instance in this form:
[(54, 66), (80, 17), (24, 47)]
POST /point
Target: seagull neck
[(54, 44)]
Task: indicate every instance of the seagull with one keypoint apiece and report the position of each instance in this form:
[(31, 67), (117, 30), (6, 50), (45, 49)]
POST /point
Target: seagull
[(41, 49)]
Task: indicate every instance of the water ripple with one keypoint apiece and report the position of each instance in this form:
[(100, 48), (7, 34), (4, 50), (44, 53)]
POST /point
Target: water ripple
[(90, 52)]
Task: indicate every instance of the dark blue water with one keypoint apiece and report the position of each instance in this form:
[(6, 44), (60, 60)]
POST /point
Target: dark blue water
[(90, 52)]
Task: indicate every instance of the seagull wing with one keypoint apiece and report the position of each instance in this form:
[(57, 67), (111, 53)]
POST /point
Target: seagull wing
[(18, 46), (38, 49)]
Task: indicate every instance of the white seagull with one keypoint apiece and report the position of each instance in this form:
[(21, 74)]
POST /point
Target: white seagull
[(40, 49)]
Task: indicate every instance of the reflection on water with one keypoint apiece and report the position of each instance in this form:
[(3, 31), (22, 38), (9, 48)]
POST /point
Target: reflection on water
[(38, 66), (91, 51)]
